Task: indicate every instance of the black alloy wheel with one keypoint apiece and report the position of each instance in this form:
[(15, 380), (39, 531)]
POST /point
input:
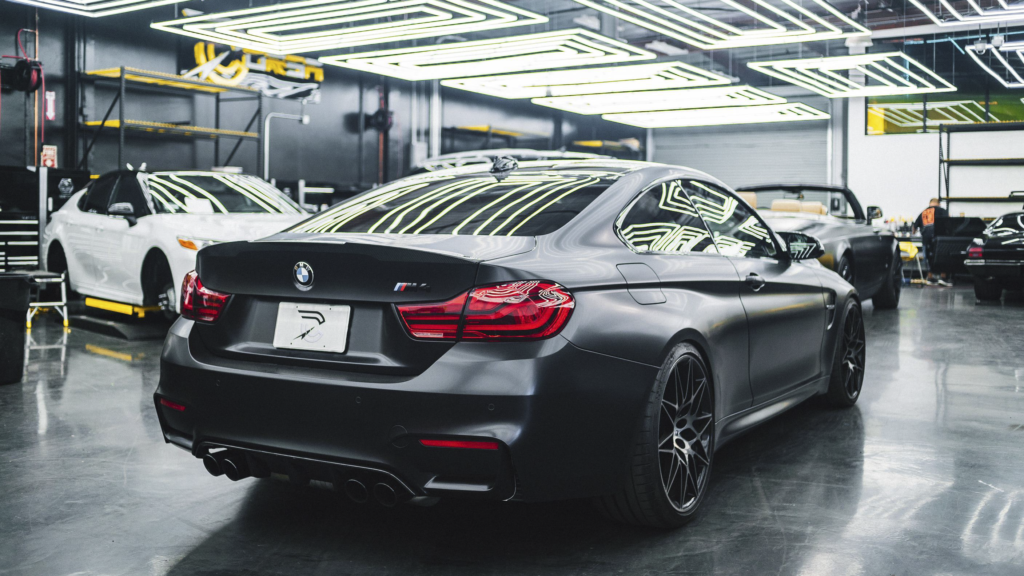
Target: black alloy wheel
[(888, 296), (848, 367), (845, 269), (673, 449), (685, 432)]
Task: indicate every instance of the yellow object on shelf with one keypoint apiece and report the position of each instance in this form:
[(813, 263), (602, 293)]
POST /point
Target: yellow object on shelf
[(127, 309), (908, 251), (163, 79), (163, 127)]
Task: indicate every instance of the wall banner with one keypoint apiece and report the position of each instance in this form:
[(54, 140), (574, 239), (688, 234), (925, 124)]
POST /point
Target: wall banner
[(293, 77)]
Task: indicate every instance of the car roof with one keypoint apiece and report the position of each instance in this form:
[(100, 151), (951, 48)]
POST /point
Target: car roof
[(614, 167)]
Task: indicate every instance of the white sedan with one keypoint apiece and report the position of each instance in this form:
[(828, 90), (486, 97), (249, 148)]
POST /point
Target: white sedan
[(131, 237)]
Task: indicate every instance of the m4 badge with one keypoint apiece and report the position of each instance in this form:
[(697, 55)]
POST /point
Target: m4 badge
[(412, 287)]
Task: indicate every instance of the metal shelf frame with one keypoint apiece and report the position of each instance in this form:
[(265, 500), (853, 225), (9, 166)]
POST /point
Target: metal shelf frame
[(134, 79), (946, 161)]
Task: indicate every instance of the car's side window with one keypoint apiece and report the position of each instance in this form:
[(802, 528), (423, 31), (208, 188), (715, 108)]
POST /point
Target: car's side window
[(736, 229), (98, 197), (663, 220), (129, 190)]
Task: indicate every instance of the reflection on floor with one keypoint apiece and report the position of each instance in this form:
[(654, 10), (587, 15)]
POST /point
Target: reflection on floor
[(925, 476)]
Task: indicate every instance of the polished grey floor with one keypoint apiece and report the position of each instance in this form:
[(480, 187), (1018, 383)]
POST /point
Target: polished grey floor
[(924, 477)]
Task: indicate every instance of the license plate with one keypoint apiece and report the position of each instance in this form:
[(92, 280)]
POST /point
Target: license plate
[(319, 327)]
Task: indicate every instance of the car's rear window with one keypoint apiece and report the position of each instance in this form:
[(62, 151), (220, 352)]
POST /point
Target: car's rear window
[(1007, 225), (523, 204)]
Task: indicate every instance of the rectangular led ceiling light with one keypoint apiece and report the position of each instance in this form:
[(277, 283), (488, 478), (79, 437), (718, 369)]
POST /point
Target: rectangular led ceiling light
[(661, 100), (886, 74), (662, 75), (911, 114), (312, 25), (943, 12), (96, 8), (1007, 74), (558, 49), (788, 112), (771, 22)]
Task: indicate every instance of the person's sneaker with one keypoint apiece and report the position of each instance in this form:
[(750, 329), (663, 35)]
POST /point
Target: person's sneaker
[(930, 282), (944, 283)]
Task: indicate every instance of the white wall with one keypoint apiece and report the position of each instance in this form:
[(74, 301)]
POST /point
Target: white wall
[(900, 172)]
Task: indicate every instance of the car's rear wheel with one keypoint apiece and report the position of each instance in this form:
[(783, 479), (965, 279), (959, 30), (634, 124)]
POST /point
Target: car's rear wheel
[(673, 449), (987, 291), (848, 367), (888, 296)]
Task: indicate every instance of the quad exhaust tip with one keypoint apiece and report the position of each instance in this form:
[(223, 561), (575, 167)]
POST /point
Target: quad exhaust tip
[(214, 462), (227, 463), (385, 494), (356, 491)]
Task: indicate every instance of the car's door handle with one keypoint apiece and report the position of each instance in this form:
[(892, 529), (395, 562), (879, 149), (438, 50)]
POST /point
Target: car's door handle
[(755, 282)]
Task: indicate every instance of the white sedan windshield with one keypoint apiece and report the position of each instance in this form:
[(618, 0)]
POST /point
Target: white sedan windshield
[(211, 193)]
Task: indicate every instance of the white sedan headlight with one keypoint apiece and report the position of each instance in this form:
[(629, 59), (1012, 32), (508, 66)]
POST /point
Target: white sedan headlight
[(194, 243)]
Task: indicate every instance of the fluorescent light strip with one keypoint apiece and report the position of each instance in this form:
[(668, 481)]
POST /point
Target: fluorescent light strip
[(312, 25), (558, 49), (96, 9), (788, 112), (1005, 13), (652, 101), (776, 21), (662, 75), (1016, 78), (895, 74)]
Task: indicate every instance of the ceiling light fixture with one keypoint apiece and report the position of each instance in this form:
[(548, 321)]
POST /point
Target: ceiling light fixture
[(311, 25), (774, 21), (788, 112), (911, 114), (938, 12), (1011, 77), (662, 75), (885, 74), (96, 8), (694, 98), (547, 50)]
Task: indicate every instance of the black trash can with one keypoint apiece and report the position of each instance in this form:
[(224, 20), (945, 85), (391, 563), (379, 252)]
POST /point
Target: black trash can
[(14, 297)]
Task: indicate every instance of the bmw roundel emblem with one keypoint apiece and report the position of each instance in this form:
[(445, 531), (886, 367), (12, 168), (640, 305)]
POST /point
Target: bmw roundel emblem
[(303, 274)]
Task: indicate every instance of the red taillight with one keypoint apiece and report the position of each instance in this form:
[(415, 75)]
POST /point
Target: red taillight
[(975, 252), (530, 309), (172, 405), (471, 444), (438, 321), (200, 303)]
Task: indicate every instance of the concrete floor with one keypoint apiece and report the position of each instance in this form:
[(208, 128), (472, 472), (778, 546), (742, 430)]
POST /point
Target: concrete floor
[(924, 477)]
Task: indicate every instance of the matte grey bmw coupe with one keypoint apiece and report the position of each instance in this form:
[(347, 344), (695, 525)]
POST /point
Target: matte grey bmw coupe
[(554, 330)]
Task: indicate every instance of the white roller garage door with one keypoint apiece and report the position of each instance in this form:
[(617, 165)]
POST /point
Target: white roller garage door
[(752, 153)]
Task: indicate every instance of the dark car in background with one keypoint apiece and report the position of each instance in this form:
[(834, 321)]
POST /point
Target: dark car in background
[(563, 330), (996, 259), (865, 255)]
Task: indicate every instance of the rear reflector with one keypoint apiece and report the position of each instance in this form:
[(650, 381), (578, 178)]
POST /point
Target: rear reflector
[(172, 405), (200, 303), (473, 445), (525, 310), (975, 252)]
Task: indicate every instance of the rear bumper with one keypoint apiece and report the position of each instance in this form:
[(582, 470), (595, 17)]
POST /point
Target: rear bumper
[(1010, 272), (563, 417)]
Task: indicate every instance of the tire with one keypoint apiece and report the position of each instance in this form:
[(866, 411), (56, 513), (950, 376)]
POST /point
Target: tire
[(888, 296), (986, 291), (160, 288), (656, 491), (845, 269), (57, 262), (847, 378)]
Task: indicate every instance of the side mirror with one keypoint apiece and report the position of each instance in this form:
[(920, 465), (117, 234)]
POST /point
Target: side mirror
[(802, 246), (874, 213), (124, 209)]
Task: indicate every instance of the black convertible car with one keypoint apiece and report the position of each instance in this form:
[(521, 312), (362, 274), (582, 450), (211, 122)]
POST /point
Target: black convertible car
[(864, 255), (556, 330), (996, 260)]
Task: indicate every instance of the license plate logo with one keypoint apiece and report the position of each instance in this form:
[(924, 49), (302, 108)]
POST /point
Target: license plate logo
[(312, 327)]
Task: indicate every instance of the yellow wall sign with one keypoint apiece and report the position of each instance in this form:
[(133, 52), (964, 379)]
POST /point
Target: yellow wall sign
[(274, 75)]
